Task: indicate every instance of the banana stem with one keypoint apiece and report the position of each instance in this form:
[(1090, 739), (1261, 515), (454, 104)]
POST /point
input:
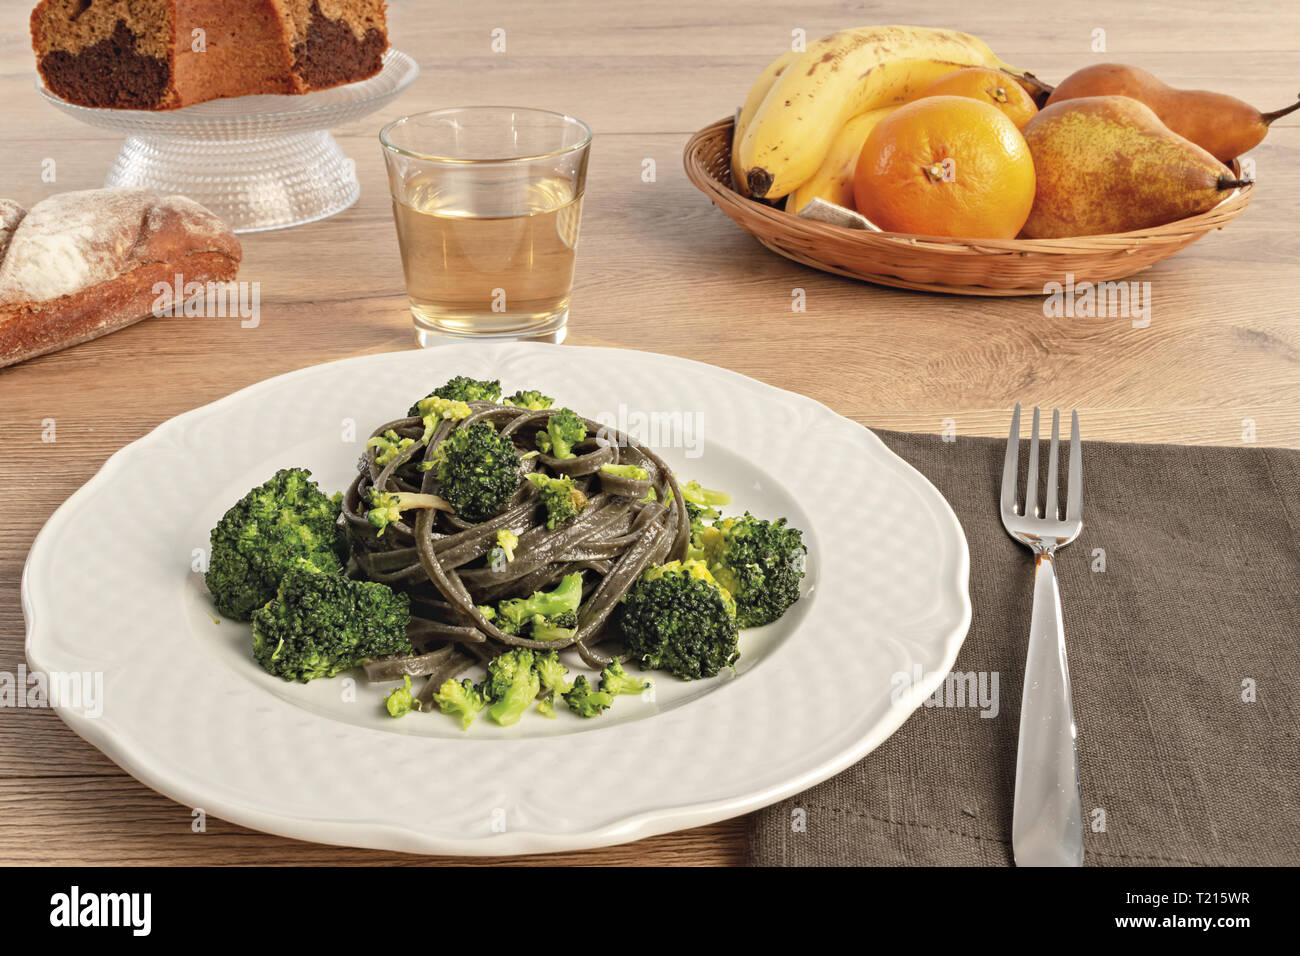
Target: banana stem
[(1267, 118)]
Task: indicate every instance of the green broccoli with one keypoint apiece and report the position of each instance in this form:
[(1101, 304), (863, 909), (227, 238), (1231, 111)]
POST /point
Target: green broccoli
[(434, 410), (401, 701), (630, 472), (385, 507), (703, 498), (559, 627), (584, 701), (759, 562), (478, 470), (561, 498), (701, 506), (544, 615), (463, 389), (530, 399), (504, 551), (388, 446), (677, 618), (563, 430), (512, 684), (264, 534), (615, 680), (550, 671), (461, 697), (321, 623)]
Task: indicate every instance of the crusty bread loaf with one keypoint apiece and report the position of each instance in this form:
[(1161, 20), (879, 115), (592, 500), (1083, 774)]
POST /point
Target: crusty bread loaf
[(165, 54), (82, 264)]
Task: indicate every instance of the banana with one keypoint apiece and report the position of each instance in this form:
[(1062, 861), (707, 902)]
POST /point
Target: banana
[(752, 103), (836, 78), (833, 181)]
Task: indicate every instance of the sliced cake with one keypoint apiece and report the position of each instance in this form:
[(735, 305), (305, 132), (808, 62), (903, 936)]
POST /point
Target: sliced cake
[(165, 54)]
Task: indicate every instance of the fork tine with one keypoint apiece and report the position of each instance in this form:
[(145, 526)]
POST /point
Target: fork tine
[(1050, 509), (1074, 485), (1031, 473), (1011, 464)]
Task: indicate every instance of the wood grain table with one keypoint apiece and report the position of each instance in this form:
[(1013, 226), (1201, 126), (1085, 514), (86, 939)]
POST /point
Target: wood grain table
[(658, 268)]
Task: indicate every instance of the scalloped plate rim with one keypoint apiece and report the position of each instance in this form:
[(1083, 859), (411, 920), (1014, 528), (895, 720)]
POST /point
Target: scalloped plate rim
[(377, 834)]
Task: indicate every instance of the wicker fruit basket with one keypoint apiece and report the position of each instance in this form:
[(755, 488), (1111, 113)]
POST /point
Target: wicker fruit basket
[(938, 264)]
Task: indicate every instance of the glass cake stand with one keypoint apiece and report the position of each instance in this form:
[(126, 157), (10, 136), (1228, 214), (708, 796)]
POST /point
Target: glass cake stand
[(258, 162)]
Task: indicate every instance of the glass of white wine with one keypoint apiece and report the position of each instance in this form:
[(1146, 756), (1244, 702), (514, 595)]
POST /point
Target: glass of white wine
[(487, 202)]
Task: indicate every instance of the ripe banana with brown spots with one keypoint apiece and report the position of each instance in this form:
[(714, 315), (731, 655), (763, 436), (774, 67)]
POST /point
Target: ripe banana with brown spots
[(755, 99), (836, 78), (833, 181)]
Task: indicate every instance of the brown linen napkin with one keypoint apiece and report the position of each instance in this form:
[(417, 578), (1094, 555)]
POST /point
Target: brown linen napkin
[(1198, 605)]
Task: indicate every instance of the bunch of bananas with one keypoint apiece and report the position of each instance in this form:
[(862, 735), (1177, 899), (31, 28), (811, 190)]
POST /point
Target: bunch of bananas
[(804, 122)]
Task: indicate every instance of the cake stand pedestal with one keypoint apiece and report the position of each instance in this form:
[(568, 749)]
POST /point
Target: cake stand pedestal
[(258, 162)]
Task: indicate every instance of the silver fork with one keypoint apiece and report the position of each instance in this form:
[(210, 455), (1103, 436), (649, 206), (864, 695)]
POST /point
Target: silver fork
[(1047, 821)]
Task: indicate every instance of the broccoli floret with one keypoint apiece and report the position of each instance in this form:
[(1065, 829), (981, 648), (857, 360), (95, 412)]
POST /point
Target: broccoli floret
[(584, 701), (385, 507), (558, 628), (512, 684), (701, 506), (530, 399), (504, 552), (434, 410), (388, 446), (551, 671), (631, 472), (563, 430), (615, 680), (322, 623), (561, 498), (401, 701), (703, 498), (463, 389), (460, 697), (507, 541), (677, 618), (478, 470), (760, 562), (546, 615), (264, 534)]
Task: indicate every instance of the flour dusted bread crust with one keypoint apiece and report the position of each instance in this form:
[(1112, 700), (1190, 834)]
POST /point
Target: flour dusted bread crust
[(82, 264), (165, 54)]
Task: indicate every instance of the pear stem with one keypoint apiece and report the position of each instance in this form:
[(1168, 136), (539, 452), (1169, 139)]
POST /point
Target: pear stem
[(1229, 182), (1040, 92), (1267, 118)]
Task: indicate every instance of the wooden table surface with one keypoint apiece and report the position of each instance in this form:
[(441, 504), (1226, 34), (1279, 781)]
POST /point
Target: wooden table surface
[(658, 267)]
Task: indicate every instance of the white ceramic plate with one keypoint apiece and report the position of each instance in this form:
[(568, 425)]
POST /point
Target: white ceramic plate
[(109, 588)]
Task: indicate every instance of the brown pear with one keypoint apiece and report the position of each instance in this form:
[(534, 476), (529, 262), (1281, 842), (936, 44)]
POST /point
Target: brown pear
[(1224, 125), (1106, 164)]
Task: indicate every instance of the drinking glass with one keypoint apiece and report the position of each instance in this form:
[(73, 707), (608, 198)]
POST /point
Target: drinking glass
[(487, 202)]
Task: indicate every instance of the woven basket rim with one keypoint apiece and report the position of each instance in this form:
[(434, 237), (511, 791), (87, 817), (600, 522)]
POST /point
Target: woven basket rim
[(1178, 231)]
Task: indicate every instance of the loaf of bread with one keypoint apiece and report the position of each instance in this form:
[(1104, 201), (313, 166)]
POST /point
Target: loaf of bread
[(165, 54), (82, 264)]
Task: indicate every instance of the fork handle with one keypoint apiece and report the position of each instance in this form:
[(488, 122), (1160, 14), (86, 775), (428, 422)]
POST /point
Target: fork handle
[(1047, 822)]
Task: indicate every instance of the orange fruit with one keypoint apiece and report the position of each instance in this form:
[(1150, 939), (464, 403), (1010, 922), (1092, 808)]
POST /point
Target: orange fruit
[(946, 166), (996, 89)]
